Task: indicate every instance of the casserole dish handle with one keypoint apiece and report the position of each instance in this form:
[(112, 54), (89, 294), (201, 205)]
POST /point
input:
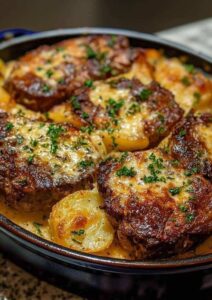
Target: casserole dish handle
[(7, 34)]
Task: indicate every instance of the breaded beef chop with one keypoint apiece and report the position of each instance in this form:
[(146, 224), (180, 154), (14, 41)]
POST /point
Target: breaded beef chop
[(156, 209), (40, 163), (49, 74), (129, 115), (191, 144)]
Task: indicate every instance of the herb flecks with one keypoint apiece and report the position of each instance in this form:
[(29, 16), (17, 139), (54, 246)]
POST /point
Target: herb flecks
[(75, 103), (87, 129), (88, 83), (175, 191), (80, 142), (38, 228), (133, 109), (54, 131), (186, 81), (90, 52), (113, 108), (46, 88), (182, 132), (78, 232), (155, 169), (125, 171), (84, 164), (189, 68), (9, 126), (144, 94)]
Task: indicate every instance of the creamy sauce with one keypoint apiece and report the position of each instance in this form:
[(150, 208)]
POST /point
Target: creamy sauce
[(30, 221)]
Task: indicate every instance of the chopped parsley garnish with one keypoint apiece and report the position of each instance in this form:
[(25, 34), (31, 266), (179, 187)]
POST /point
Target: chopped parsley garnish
[(79, 143), (87, 129), (161, 118), (23, 182), (144, 94), (38, 228), (161, 129), (123, 157), (175, 191), (190, 68), (84, 115), (78, 232), (112, 41), (190, 217), (113, 108), (75, 103), (133, 109), (106, 69), (49, 73), (183, 208), (185, 80), (39, 68), (33, 142), (83, 164), (59, 49), (124, 171), (54, 132), (197, 97), (46, 88), (191, 171), (182, 132), (175, 162), (155, 169), (61, 81), (76, 241), (90, 52), (31, 159), (9, 126), (88, 83)]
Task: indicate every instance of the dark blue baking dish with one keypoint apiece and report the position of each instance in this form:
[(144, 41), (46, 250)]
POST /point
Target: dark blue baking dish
[(85, 272)]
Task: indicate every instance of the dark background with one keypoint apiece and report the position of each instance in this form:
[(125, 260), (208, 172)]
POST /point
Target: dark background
[(143, 15)]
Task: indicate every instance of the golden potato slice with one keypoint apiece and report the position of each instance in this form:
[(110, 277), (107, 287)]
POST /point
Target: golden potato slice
[(191, 88), (78, 222)]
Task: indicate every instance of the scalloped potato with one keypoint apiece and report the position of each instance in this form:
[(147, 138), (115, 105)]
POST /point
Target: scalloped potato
[(79, 223)]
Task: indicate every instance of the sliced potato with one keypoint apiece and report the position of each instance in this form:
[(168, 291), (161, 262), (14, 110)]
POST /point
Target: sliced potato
[(78, 222)]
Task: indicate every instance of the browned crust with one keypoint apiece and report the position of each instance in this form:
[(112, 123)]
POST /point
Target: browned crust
[(155, 227), (30, 187), (188, 147), (161, 101), (28, 88)]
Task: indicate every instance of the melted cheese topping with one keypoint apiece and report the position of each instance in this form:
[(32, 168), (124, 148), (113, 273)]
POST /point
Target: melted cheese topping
[(34, 144), (169, 178), (128, 133)]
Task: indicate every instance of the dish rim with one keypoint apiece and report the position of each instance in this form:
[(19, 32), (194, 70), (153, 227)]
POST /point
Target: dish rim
[(60, 253)]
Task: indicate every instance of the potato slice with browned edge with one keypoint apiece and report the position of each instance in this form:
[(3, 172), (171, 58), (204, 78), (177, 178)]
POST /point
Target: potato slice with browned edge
[(79, 223)]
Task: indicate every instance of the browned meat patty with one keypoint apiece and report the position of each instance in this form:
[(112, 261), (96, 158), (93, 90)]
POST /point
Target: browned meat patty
[(49, 74), (42, 162), (156, 209), (128, 114), (191, 144)]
